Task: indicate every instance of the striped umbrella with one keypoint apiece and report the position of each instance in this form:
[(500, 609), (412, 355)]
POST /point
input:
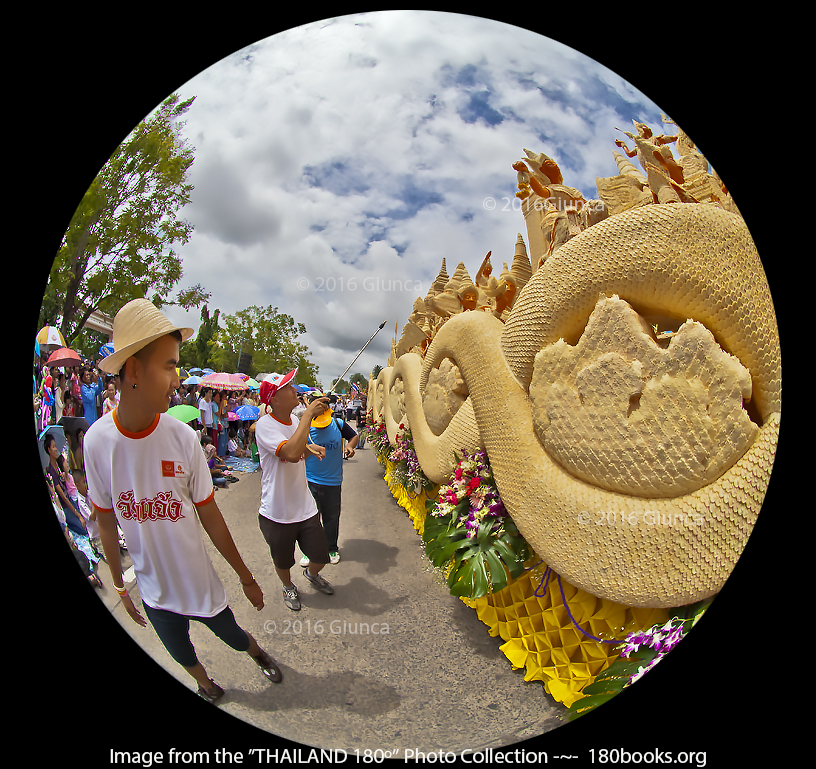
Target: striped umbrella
[(49, 338)]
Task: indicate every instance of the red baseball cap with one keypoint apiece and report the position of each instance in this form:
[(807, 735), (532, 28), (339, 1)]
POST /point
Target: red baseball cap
[(272, 383)]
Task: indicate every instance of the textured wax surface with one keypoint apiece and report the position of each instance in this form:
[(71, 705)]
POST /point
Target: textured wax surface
[(653, 507)]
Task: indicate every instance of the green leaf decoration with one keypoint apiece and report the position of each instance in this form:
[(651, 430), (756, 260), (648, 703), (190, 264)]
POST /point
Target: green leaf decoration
[(610, 682)]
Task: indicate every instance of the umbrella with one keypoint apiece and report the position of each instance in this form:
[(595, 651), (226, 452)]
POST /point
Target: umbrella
[(192, 380), (182, 372), (247, 412), (106, 349), (63, 358), (184, 413), (232, 416), (195, 370), (223, 381), (49, 339), (207, 371), (242, 377), (252, 384), (59, 437), (220, 381), (72, 425), (302, 388)]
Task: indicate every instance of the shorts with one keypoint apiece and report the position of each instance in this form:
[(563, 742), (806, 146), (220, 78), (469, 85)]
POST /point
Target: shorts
[(281, 538), (173, 631)]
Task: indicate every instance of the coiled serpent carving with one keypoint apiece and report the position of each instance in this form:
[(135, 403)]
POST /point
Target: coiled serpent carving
[(585, 416)]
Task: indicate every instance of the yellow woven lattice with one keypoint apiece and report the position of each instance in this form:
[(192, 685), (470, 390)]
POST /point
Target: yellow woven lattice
[(413, 504), (538, 633)]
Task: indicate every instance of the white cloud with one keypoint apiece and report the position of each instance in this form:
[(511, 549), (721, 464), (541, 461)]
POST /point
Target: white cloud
[(359, 150)]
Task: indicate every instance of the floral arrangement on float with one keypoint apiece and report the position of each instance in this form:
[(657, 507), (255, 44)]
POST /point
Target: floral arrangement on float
[(377, 436), (469, 534), (406, 470), (642, 650)]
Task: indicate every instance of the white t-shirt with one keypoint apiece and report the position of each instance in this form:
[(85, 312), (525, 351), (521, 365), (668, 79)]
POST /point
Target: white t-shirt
[(285, 495), (150, 481), (205, 407)]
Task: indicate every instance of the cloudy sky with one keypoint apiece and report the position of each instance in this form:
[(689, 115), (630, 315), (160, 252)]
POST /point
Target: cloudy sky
[(337, 163)]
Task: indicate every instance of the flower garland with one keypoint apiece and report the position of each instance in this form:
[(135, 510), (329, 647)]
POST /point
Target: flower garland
[(469, 533), (472, 481), (407, 471), (377, 436), (642, 650)]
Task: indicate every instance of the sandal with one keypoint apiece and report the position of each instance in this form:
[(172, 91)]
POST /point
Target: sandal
[(95, 581), (211, 697), (269, 667)]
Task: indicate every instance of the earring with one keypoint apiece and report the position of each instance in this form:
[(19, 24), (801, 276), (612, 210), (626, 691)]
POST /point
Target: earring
[(134, 385)]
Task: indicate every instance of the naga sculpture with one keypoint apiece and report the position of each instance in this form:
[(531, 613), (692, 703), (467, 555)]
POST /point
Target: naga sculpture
[(629, 399)]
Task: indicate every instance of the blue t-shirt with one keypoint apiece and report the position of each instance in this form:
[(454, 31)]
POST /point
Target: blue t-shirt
[(89, 393), (329, 470)]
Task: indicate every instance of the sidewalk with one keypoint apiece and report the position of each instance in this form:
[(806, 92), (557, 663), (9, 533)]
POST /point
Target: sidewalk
[(390, 661)]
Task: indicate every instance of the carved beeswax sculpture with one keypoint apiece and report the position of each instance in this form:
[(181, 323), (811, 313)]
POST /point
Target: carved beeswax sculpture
[(624, 378)]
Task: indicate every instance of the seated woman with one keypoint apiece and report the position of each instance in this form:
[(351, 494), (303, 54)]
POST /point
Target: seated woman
[(234, 447), (218, 468)]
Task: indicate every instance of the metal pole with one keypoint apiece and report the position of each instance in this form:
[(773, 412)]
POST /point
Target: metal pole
[(240, 350), (356, 356)]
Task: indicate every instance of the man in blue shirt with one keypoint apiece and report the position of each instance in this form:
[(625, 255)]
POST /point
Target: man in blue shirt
[(326, 476), (89, 392)]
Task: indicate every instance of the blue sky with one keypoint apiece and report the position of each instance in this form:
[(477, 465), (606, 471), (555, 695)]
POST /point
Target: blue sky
[(359, 151)]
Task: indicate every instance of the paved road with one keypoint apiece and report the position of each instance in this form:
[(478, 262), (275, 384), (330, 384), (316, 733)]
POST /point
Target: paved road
[(391, 661)]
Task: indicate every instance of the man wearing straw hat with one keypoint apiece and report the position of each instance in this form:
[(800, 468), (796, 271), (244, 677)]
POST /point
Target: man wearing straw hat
[(146, 470)]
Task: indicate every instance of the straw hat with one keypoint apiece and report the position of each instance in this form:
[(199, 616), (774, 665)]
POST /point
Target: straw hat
[(135, 326)]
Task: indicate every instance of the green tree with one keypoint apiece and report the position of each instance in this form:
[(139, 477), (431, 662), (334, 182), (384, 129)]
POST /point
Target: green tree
[(119, 243), (375, 372), (205, 338), (360, 381), (270, 337), (341, 386)]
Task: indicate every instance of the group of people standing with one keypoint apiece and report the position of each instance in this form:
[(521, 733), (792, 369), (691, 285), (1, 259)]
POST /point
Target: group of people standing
[(148, 481)]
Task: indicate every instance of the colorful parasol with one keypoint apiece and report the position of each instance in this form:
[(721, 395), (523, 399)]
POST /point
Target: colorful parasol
[(247, 412), (184, 413), (223, 381), (49, 338), (63, 358)]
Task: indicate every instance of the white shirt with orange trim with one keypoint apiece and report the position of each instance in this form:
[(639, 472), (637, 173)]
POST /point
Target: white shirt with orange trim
[(151, 481), (285, 495)]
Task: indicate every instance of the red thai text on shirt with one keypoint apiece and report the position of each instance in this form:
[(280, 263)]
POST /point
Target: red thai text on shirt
[(161, 507)]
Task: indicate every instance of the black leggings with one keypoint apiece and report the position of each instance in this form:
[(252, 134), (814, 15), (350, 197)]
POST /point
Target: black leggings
[(174, 632)]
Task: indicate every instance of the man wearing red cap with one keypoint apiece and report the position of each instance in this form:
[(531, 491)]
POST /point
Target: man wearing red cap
[(288, 513)]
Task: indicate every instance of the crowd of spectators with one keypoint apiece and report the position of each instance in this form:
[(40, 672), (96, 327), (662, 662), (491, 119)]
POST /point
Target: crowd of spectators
[(75, 398)]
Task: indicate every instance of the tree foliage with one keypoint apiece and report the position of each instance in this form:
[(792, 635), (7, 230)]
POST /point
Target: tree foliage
[(269, 336), (119, 243)]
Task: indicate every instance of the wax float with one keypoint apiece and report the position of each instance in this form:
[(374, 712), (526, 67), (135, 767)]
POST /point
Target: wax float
[(616, 393)]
